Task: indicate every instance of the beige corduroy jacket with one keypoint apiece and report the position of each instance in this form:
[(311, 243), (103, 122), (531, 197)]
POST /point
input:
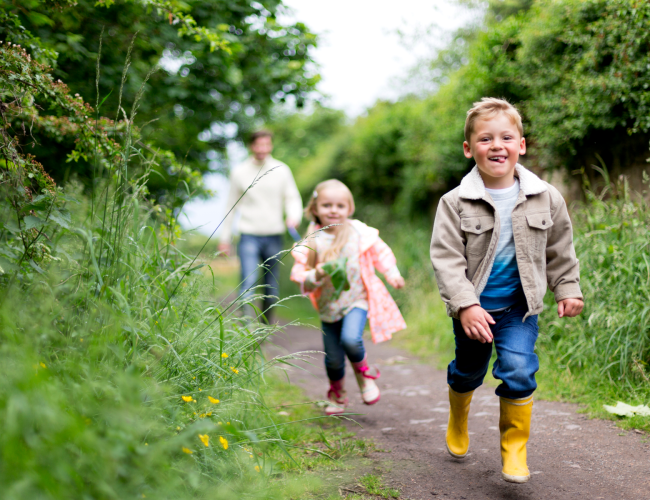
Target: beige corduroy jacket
[(466, 233)]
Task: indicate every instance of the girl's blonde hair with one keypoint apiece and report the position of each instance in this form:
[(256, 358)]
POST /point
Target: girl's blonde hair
[(344, 232)]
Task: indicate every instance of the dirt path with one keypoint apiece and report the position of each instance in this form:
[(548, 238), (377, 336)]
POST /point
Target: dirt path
[(569, 455)]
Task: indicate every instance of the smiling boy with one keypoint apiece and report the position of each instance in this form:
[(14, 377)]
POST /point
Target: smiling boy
[(498, 240)]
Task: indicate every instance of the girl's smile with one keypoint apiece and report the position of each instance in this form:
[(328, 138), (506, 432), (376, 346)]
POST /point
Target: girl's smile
[(332, 207)]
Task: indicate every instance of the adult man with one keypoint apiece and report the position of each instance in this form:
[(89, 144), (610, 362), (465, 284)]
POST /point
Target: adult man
[(262, 211)]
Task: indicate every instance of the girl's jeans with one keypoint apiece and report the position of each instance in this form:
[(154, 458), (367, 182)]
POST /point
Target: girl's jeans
[(341, 338), (516, 362)]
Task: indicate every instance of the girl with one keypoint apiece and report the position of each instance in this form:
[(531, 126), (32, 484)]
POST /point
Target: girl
[(344, 318)]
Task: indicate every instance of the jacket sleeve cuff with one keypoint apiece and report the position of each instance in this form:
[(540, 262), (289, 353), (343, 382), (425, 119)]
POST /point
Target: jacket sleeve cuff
[(461, 301), (393, 273), (567, 291)]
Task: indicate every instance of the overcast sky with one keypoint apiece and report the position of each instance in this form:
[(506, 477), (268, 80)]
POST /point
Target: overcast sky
[(361, 58), (361, 54)]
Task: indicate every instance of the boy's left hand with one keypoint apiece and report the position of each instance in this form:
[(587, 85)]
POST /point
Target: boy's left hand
[(569, 308), (397, 282)]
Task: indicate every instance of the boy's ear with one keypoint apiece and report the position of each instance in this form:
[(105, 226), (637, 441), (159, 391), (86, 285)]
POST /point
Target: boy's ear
[(522, 146), (468, 151)]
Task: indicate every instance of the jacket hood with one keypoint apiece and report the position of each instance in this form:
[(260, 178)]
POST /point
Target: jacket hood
[(472, 186)]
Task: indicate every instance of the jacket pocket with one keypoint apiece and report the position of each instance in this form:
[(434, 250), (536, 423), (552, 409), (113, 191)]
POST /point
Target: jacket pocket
[(538, 225), (478, 231)]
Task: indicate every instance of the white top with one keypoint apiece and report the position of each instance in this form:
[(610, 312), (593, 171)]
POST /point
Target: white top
[(262, 209), (503, 287), (331, 310)]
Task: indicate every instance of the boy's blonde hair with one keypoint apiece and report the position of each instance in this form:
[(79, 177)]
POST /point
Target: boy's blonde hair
[(487, 108), (344, 232)]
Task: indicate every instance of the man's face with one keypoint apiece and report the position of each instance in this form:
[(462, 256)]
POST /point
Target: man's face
[(496, 145), (261, 148)]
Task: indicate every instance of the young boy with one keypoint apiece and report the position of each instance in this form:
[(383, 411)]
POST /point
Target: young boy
[(498, 239)]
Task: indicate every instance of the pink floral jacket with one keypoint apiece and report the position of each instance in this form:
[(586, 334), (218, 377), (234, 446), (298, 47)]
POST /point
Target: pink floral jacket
[(384, 316)]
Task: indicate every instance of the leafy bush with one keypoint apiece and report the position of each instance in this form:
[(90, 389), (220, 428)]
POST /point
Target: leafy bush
[(121, 374), (577, 70), (612, 336)]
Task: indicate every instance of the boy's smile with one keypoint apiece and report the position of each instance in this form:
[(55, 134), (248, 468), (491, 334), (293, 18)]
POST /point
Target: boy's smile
[(495, 145)]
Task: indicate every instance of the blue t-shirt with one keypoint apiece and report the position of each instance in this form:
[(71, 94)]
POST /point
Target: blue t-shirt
[(503, 287)]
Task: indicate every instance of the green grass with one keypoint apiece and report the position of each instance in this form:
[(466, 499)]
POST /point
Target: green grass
[(374, 485)]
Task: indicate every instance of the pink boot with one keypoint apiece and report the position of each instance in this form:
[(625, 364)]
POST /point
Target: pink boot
[(369, 390), (337, 398)]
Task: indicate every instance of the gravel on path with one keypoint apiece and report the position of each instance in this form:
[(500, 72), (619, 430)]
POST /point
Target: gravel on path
[(569, 455)]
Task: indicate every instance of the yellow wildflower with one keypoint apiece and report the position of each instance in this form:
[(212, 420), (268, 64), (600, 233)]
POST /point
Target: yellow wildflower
[(202, 415), (224, 355), (234, 370), (205, 439), (178, 427), (81, 340), (199, 389), (209, 414), (212, 400), (187, 450), (146, 444), (224, 442), (43, 365), (250, 456), (257, 468), (187, 399)]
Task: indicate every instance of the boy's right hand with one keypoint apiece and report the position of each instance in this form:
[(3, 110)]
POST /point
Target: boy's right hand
[(476, 323)]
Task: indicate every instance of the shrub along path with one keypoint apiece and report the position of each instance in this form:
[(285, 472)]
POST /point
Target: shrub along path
[(570, 456)]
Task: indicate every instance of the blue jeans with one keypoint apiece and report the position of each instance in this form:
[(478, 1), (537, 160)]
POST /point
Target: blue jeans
[(341, 338), (516, 362), (253, 251)]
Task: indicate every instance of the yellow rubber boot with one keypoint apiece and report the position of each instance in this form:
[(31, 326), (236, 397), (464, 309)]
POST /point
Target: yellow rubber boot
[(514, 425), (457, 434)]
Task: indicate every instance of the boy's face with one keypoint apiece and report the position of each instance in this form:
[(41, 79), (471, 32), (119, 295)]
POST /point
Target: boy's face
[(495, 145)]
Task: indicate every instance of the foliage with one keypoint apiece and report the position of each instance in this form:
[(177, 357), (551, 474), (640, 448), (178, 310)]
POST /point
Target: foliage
[(577, 70), (613, 333), (224, 64), (337, 271), (121, 374), (302, 139)]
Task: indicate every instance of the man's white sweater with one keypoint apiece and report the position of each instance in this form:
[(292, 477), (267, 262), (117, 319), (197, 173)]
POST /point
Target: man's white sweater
[(263, 207)]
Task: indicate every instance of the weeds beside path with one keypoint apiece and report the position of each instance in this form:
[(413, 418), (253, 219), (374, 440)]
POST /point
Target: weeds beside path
[(570, 456)]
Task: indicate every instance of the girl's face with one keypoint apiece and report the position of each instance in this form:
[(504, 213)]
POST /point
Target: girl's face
[(332, 207)]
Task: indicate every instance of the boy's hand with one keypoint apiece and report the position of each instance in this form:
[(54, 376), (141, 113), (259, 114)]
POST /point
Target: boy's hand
[(476, 323), (397, 282), (569, 308)]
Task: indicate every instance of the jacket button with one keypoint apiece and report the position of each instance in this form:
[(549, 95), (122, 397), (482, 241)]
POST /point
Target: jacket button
[(478, 227), (543, 223)]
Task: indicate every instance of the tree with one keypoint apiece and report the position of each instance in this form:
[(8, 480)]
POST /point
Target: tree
[(224, 64)]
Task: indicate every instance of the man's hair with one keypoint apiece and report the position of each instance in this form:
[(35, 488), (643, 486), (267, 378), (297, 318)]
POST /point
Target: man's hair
[(486, 109), (260, 133)]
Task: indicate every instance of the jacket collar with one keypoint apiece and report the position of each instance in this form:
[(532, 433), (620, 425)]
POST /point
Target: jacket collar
[(473, 188)]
